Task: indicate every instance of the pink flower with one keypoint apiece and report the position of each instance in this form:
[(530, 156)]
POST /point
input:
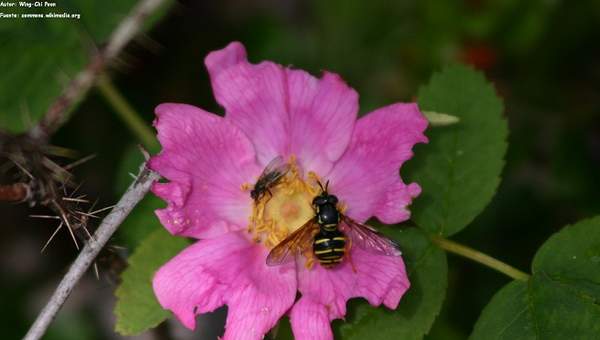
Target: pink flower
[(211, 163)]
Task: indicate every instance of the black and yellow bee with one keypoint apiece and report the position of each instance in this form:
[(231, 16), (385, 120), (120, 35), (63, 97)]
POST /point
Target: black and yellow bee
[(330, 233), (270, 176)]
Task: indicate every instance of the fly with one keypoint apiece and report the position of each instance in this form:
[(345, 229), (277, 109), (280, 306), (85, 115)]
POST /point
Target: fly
[(330, 233), (271, 175)]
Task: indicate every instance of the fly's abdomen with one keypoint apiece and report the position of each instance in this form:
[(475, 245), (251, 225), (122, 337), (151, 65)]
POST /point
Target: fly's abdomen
[(329, 248)]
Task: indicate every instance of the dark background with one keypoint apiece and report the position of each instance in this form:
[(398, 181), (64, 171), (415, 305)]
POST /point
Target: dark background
[(542, 56)]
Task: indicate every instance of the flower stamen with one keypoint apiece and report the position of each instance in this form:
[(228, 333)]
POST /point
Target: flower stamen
[(286, 208)]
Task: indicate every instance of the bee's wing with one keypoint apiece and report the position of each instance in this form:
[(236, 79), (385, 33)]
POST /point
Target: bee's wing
[(294, 244), (369, 239)]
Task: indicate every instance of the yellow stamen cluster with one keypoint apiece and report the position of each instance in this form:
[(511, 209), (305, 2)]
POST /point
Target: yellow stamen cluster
[(276, 216)]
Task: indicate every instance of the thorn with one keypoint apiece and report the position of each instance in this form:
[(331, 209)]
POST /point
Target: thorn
[(45, 216), (56, 170), (150, 44), (114, 246), (21, 167), (60, 151), (63, 215), (87, 214), (80, 219), (134, 176), (75, 190), (52, 236), (75, 200), (101, 210), (79, 162), (144, 152), (90, 237), (93, 205), (96, 271), (72, 235), (71, 232)]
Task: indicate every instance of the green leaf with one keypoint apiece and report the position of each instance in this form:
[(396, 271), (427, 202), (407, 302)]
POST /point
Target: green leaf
[(99, 18), (38, 58), (137, 309), (427, 271), (459, 170), (562, 298), (141, 222), (41, 56)]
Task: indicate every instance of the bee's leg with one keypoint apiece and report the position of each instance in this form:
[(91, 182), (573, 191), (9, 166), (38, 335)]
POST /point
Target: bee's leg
[(348, 256), (270, 194)]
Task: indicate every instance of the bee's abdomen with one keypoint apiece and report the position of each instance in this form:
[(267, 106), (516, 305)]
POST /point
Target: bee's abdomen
[(329, 248)]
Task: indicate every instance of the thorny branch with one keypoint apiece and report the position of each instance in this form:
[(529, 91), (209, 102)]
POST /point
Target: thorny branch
[(36, 179), (30, 175), (109, 225), (127, 29), (27, 162)]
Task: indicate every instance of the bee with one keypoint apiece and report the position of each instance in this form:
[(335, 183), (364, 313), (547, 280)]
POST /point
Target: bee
[(272, 174), (330, 233)]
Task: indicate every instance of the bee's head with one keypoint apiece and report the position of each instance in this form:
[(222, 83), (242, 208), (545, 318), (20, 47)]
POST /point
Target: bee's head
[(324, 197), (254, 194)]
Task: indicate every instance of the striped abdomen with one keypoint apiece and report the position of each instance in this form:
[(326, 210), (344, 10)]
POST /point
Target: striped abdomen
[(329, 247)]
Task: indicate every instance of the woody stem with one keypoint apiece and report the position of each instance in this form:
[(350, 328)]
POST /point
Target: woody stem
[(134, 194), (477, 256)]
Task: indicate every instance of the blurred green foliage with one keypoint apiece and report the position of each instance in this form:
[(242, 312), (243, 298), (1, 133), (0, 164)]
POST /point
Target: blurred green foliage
[(40, 57)]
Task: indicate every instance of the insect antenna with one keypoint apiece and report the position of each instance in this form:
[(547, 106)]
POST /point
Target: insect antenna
[(321, 186), (323, 189)]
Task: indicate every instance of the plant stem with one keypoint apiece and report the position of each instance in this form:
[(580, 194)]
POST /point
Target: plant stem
[(477, 256), (129, 116), (109, 225), (127, 29)]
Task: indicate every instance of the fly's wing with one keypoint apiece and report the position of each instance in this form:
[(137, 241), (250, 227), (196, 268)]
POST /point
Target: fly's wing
[(369, 239), (276, 169), (295, 243)]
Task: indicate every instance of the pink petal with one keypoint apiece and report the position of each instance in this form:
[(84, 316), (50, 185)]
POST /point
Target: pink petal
[(206, 159), (377, 278), (254, 98), (310, 321), (322, 113), (284, 111), (366, 178), (227, 270), (393, 208)]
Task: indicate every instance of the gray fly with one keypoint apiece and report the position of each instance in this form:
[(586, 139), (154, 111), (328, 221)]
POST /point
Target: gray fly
[(271, 175)]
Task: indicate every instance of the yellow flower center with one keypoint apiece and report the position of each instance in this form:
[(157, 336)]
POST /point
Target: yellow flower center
[(286, 209)]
